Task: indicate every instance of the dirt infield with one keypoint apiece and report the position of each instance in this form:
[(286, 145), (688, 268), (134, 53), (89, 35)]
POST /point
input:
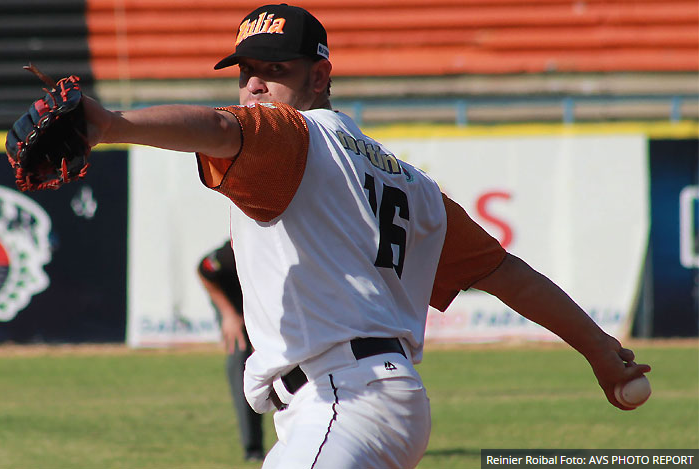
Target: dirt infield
[(30, 350)]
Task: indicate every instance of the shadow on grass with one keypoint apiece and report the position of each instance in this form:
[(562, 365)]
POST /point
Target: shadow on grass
[(447, 452)]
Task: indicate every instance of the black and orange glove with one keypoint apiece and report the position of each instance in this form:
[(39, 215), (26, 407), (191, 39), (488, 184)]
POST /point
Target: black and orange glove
[(47, 146)]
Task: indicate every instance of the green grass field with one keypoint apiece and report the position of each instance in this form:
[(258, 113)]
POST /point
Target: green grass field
[(170, 409)]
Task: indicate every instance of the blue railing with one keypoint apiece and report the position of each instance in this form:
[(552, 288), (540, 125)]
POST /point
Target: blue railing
[(462, 106)]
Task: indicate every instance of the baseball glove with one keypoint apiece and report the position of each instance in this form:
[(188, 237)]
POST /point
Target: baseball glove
[(47, 146)]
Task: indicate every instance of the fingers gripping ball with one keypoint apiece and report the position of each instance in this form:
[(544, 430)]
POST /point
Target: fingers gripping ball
[(633, 393), (47, 146)]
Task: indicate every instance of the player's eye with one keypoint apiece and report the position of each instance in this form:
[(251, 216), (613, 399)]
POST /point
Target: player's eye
[(277, 68)]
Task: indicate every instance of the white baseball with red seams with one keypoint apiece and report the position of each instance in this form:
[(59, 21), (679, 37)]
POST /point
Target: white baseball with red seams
[(633, 393)]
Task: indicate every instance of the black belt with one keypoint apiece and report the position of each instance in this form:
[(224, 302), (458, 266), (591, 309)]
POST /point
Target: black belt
[(361, 348)]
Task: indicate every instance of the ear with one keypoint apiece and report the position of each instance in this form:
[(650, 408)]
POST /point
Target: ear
[(321, 75)]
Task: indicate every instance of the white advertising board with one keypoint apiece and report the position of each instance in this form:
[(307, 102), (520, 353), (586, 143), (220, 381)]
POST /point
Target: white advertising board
[(574, 207), (173, 221)]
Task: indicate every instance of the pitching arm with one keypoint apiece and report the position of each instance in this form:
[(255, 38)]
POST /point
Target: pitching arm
[(537, 298)]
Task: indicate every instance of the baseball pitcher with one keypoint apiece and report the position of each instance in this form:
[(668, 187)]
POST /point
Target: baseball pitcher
[(340, 248)]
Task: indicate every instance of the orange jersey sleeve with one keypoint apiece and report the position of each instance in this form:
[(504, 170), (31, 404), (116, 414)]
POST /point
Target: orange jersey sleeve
[(468, 255), (265, 175)]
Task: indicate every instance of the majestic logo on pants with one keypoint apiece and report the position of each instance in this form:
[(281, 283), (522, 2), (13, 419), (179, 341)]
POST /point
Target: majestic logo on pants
[(24, 250)]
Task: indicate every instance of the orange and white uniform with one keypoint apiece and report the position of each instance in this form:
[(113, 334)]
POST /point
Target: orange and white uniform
[(337, 239)]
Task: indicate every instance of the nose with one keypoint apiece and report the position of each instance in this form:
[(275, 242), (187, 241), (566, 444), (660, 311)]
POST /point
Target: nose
[(256, 85)]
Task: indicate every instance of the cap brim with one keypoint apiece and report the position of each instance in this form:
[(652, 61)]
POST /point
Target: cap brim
[(268, 55), (226, 62)]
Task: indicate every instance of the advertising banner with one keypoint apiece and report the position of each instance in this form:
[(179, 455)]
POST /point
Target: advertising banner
[(173, 222), (673, 282), (574, 207), (63, 257)]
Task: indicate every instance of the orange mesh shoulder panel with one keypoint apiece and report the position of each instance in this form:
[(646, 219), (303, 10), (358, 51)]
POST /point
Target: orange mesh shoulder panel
[(265, 175), (212, 170), (469, 254)]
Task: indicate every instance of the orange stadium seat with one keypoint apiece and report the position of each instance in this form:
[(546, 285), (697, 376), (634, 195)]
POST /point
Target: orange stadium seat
[(140, 39)]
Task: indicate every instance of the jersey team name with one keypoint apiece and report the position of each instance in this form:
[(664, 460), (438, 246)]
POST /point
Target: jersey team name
[(383, 161), (263, 24)]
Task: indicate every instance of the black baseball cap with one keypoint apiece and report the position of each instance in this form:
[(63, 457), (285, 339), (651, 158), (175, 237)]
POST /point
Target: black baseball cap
[(277, 33)]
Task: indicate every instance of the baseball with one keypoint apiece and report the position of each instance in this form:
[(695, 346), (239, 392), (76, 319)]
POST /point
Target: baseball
[(633, 393)]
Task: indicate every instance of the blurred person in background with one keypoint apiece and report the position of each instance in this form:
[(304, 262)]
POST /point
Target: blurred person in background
[(220, 279)]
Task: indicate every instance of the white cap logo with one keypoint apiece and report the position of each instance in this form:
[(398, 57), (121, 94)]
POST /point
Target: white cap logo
[(323, 51)]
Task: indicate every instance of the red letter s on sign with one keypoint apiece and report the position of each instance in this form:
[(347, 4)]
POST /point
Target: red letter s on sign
[(482, 209)]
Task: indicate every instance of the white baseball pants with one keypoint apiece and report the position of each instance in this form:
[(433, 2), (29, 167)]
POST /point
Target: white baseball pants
[(371, 413)]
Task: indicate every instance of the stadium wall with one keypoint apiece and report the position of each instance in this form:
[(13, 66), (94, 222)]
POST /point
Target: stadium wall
[(610, 212)]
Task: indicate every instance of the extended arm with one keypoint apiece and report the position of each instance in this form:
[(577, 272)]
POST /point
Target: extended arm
[(537, 298), (173, 127)]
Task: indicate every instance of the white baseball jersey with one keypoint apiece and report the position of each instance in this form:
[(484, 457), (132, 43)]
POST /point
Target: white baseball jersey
[(335, 238)]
